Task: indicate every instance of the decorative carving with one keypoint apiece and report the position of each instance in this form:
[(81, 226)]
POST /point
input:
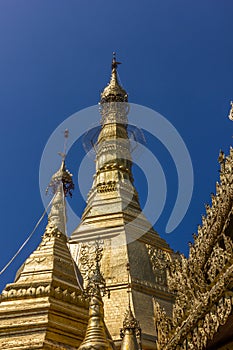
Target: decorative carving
[(65, 294), (97, 335), (163, 326), (89, 253), (131, 327), (130, 322), (160, 261), (202, 282), (53, 230), (104, 188)]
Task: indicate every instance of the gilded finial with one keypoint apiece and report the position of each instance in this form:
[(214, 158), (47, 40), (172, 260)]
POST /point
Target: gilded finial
[(63, 154), (113, 58), (114, 92), (230, 116), (62, 175), (61, 185), (130, 321), (221, 160), (114, 61), (130, 333), (221, 157)]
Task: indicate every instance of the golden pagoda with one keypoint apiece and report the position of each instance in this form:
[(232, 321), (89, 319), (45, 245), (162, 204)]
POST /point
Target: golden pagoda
[(43, 308), (113, 215), (171, 302)]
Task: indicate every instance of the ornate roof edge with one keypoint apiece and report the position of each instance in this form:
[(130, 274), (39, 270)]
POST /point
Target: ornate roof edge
[(203, 282)]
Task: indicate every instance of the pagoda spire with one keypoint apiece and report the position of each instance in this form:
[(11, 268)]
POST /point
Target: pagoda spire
[(113, 214), (113, 178), (43, 307), (131, 331), (61, 185)]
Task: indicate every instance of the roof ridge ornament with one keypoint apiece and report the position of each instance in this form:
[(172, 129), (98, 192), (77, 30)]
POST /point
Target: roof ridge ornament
[(230, 116), (201, 282)]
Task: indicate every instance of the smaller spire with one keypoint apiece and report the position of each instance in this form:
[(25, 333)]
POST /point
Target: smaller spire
[(114, 92), (131, 331), (61, 185), (128, 289)]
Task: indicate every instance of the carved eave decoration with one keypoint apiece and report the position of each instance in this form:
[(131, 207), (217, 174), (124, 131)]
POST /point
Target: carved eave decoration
[(43, 289), (203, 282)]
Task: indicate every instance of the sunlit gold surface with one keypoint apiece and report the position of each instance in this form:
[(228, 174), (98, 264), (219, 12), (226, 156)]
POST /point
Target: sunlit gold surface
[(204, 281), (97, 336), (131, 332), (113, 214), (114, 92), (43, 308)]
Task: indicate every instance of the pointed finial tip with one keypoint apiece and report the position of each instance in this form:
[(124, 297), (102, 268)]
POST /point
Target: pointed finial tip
[(62, 175), (221, 157), (114, 92), (114, 61), (63, 154), (230, 116), (114, 65)]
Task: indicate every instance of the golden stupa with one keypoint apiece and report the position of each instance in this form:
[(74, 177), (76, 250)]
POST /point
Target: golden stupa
[(161, 301)]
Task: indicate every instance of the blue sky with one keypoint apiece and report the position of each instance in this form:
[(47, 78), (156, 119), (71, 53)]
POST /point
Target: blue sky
[(55, 58)]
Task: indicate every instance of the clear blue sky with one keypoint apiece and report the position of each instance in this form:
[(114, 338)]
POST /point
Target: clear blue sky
[(55, 59)]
